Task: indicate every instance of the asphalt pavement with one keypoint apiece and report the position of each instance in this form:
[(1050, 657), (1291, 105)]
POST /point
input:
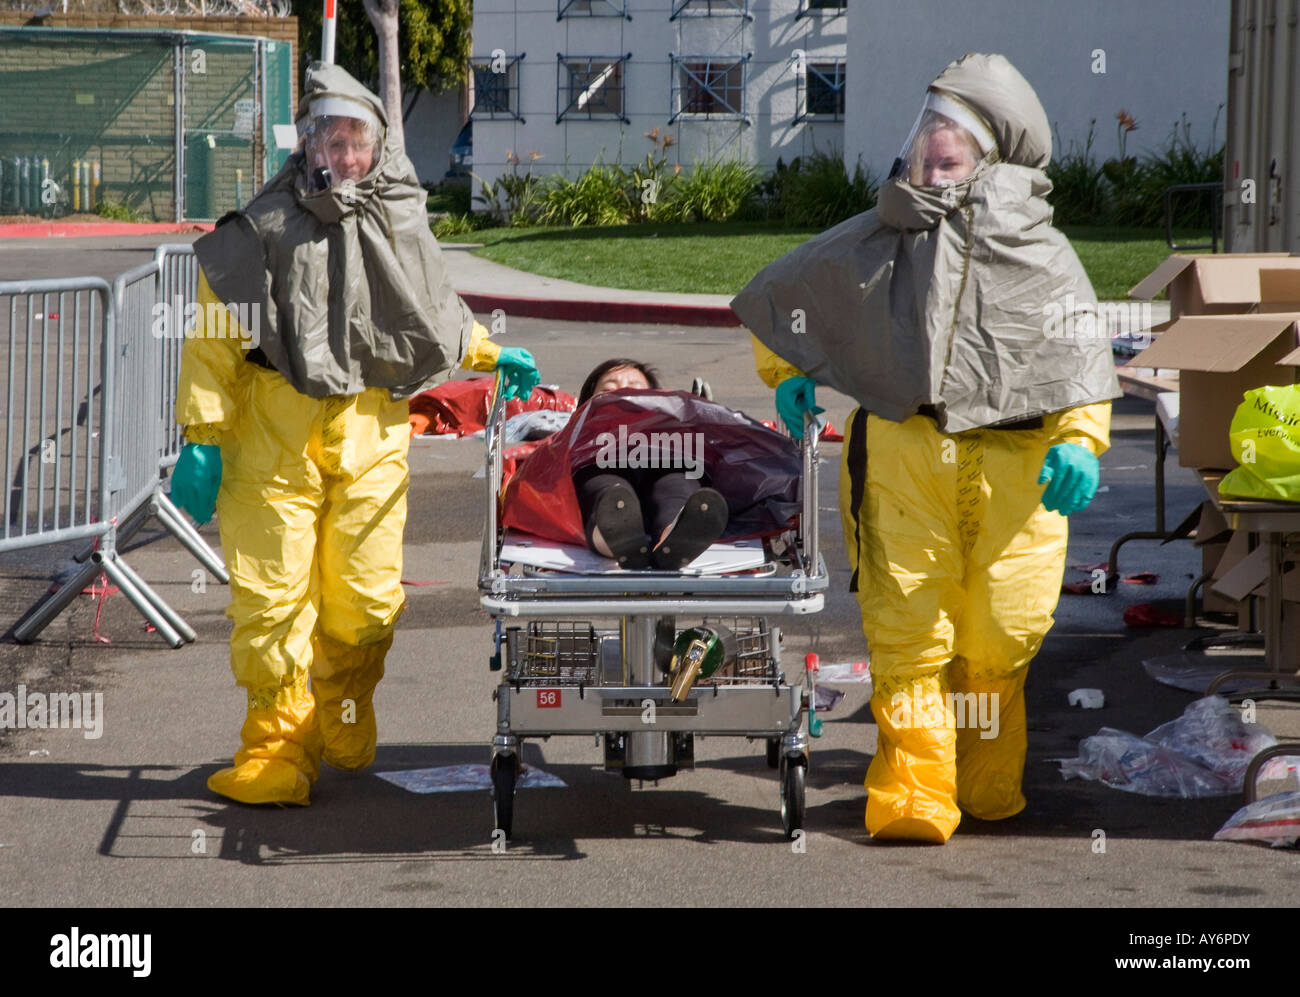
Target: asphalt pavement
[(125, 818)]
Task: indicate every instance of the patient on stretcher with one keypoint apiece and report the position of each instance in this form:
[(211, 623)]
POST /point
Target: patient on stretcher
[(646, 502), (652, 478)]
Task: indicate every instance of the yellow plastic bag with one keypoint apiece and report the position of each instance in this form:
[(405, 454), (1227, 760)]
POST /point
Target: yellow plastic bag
[(1265, 440)]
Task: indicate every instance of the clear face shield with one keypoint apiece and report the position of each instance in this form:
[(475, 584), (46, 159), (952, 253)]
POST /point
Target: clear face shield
[(342, 142), (946, 144)]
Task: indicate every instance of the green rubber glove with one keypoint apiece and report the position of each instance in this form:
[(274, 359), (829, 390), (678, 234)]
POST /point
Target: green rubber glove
[(195, 480), (794, 397), (1071, 474), (520, 370)]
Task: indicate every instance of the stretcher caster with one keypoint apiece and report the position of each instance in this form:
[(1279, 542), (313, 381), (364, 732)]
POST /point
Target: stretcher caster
[(505, 772), (793, 772)]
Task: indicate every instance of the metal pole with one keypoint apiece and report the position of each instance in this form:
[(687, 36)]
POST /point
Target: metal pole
[(327, 32)]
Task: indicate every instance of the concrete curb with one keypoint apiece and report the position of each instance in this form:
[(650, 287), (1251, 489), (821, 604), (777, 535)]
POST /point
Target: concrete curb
[(650, 313), (73, 229)]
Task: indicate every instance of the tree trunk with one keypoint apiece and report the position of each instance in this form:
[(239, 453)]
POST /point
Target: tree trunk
[(383, 15), (467, 89)]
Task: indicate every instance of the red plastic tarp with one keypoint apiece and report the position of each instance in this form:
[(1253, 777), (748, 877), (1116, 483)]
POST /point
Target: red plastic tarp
[(756, 470), (461, 407)]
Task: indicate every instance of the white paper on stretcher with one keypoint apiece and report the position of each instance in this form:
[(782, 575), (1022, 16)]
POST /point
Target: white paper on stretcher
[(536, 552)]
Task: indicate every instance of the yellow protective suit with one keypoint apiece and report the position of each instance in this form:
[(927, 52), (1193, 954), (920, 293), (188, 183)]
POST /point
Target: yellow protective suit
[(311, 510), (957, 569)]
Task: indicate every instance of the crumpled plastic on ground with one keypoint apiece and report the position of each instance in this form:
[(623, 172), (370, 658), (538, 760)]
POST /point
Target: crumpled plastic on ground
[(465, 778), (1195, 672), (1274, 819), (1204, 752)]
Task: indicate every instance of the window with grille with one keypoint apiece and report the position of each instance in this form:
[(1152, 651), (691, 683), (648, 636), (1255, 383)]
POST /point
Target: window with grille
[(808, 7), (710, 8), (592, 8), (590, 87), (708, 87), (822, 91), (496, 88)]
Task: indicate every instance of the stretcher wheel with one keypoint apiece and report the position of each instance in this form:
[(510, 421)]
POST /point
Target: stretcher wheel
[(773, 752), (792, 797), (505, 769)]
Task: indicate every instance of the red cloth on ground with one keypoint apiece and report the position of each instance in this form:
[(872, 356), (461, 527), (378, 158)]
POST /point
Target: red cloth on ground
[(461, 407)]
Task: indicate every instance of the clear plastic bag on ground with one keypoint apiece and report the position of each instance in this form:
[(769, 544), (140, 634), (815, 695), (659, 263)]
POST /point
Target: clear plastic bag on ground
[(1274, 819), (1212, 732), (1203, 753)]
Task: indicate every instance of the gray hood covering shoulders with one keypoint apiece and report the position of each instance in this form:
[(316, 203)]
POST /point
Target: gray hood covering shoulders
[(349, 282), (964, 298)]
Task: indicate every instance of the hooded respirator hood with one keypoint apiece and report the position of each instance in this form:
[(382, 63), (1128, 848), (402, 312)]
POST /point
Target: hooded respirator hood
[(347, 279), (952, 295)]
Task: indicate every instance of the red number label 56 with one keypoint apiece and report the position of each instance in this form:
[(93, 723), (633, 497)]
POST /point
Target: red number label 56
[(548, 698)]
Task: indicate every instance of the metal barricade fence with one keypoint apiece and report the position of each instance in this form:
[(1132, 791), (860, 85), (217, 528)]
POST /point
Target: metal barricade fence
[(178, 286), (134, 432), (56, 335)]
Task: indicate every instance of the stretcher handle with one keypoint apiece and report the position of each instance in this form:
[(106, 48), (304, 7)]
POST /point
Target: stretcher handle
[(808, 518), (493, 433)]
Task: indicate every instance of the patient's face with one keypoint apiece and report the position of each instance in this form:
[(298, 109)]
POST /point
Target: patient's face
[(620, 377)]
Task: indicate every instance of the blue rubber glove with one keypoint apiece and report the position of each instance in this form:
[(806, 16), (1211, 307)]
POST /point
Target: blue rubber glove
[(1071, 474), (520, 371), (195, 480), (794, 397)]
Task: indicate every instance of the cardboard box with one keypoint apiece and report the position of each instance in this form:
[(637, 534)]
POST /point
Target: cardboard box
[(1279, 290), (1219, 359), (1219, 284), (1214, 537), (1249, 576)]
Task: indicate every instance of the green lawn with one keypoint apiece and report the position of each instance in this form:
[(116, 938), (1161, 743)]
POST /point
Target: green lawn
[(720, 258)]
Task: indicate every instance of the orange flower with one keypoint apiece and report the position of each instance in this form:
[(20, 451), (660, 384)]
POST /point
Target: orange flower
[(668, 140), (534, 155), (1126, 121), (653, 136)]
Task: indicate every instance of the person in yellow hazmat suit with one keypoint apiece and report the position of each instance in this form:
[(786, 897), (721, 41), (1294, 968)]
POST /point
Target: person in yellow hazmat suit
[(297, 428), (961, 322)]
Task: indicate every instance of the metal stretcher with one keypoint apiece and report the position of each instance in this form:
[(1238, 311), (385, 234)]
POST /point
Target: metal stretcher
[(563, 673)]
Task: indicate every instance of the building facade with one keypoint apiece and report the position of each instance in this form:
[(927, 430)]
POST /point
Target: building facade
[(1087, 60), (577, 82)]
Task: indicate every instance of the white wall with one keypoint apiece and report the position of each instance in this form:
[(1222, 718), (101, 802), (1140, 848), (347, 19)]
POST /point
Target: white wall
[(530, 27), (1162, 58)]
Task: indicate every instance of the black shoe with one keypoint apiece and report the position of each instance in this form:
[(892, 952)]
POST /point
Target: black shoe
[(700, 524), (617, 514)]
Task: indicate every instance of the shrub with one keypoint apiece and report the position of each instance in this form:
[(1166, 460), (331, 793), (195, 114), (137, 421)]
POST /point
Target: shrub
[(454, 226), (1128, 191), (1181, 162), (819, 193), (598, 197), (452, 198), (118, 211), (1079, 187), (713, 192), (511, 199)]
